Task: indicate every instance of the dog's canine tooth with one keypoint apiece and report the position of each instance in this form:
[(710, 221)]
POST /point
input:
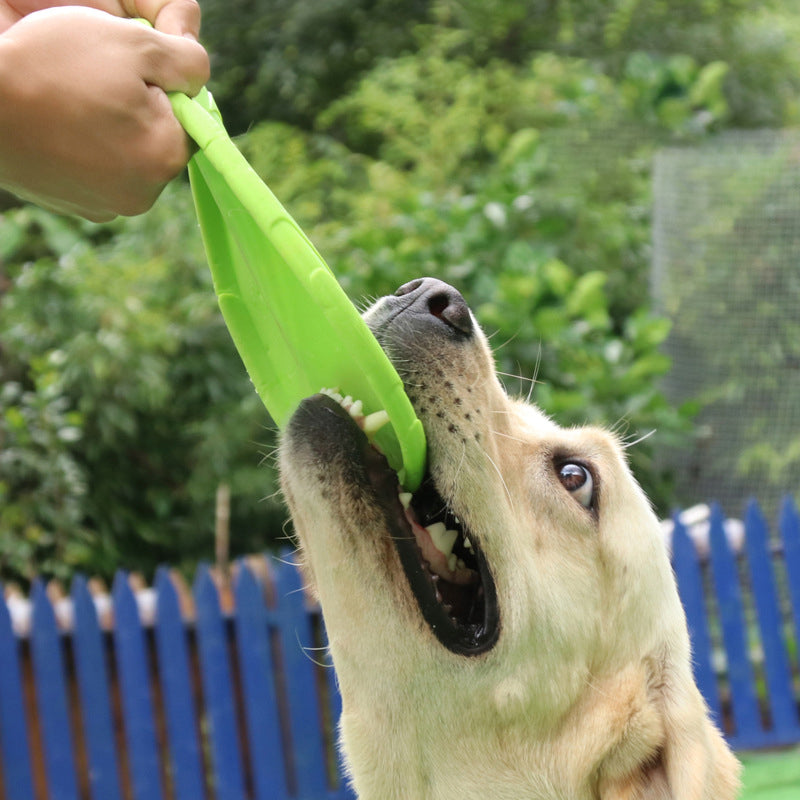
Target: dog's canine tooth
[(442, 538), (375, 421), (405, 499), (356, 409)]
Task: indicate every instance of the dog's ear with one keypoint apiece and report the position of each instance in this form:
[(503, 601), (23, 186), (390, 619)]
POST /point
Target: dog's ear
[(693, 761)]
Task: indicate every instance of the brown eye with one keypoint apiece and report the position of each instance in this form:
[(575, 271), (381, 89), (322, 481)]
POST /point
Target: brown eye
[(578, 481)]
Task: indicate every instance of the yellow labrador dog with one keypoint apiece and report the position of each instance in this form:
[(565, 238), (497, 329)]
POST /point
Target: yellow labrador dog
[(513, 630)]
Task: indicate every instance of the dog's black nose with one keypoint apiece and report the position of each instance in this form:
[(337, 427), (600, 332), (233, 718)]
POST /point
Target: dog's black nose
[(435, 297)]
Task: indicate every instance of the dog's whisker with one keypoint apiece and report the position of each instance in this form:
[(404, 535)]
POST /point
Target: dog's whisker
[(534, 379), (509, 436), (502, 479), (289, 563), (305, 649), (506, 342), (638, 440)]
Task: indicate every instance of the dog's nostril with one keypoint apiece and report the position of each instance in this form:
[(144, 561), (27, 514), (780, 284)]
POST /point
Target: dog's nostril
[(451, 308), (409, 287), (438, 304)]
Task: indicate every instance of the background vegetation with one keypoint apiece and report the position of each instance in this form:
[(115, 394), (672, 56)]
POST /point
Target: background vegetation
[(504, 146)]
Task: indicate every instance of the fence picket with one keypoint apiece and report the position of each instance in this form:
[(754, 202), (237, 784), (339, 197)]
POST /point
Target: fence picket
[(15, 757), (731, 611), (135, 690), (296, 637), (344, 791), (690, 588), (785, 727), (49, 671), (175, 675), (257, 670), (790, 534), (94, 694), (213, 646)]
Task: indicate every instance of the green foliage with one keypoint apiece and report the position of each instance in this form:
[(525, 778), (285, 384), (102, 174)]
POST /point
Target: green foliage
[(124, 405), (287, 59)]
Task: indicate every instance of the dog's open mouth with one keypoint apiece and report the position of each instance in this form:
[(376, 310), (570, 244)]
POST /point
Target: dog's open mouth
[(445, 566)]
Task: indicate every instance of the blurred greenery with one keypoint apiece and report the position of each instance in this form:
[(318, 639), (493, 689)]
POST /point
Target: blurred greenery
[(502, 146)]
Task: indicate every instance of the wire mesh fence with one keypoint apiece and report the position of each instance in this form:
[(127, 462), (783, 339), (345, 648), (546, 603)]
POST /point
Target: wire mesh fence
[(726, 271)]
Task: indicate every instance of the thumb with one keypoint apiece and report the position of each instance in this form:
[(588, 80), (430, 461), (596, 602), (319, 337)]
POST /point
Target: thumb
[(174, 63), (175, 17)]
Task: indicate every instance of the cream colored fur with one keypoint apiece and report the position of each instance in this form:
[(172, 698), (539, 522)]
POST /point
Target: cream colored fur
[(588, 693)]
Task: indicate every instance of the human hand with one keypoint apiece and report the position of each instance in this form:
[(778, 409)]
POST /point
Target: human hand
[(86, 127)]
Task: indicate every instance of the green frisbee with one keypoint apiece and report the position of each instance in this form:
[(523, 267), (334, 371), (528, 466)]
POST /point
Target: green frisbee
[(294, 327)]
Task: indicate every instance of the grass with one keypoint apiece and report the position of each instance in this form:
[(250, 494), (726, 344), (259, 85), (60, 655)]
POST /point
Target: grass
[(771, 776)]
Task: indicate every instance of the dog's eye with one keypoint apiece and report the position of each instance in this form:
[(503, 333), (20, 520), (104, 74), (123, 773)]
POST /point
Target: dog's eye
[(578, 481)]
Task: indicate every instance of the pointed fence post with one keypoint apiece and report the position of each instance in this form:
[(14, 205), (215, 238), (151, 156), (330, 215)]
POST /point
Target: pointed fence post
[(748, 731), (135, 689), (93, 685), (258, 683), (49, 673), (790, 533), (15, 758), (218, 690), (296, 635), (686, 564), (777, 670), (174, 670), (344, 791)]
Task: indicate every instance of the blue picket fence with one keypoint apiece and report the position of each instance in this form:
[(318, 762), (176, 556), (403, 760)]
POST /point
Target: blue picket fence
[(228, 706), (743, 610), (238, 704)]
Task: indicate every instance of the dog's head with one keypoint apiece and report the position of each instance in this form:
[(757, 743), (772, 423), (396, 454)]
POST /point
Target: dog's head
[(526, 579)]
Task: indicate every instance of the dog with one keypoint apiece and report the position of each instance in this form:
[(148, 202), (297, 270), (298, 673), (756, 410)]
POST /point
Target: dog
[(512, 631)]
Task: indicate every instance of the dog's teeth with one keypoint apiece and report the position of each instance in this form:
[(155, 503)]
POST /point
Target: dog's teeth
[(356, 409), (405, 499), (467, 543), (375, 421), (332, 393), (442, 538), (451, 562), (347, 402), (460, 563)]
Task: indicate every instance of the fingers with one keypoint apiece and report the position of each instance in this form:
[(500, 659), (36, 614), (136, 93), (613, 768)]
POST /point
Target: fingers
[(175, 17), (174, 64)]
